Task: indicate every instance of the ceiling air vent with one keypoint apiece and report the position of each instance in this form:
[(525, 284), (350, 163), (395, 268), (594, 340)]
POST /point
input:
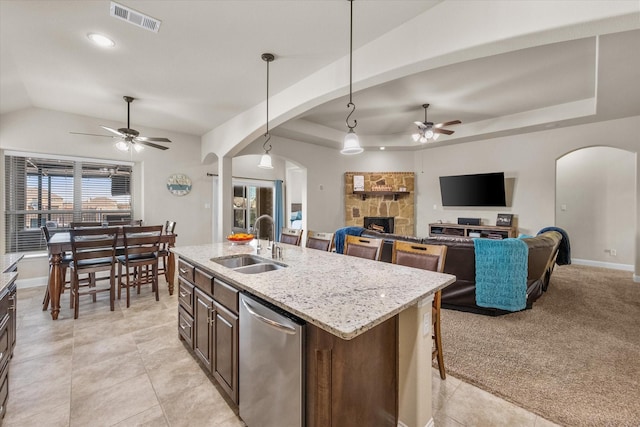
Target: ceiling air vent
[(134, 17)]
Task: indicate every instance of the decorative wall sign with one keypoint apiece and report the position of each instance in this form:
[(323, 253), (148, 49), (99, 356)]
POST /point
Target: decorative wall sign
[(179, 184)]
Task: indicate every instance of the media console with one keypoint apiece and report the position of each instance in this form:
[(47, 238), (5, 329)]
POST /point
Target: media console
[(485, 231)]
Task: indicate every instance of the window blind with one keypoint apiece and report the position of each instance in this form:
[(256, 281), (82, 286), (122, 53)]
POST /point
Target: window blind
[(46, 191)]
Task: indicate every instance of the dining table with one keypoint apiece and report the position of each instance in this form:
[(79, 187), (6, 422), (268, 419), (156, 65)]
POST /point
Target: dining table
[(61, 243)]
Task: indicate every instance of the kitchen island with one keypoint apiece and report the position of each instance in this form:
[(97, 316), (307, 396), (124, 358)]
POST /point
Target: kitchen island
[(357, 312)]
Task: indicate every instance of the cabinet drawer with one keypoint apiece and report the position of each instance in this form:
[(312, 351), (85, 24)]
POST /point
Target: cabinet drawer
[(226, 295), (204, 281), (185, 326), (185, 270), (185, 295)]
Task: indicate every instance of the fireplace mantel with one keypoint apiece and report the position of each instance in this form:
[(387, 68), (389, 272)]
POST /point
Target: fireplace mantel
[(363, 194)]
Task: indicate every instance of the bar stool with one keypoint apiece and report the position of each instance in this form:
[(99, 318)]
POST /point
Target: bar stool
[(432, 258), (363, 247), (291, 236), (320, 241)]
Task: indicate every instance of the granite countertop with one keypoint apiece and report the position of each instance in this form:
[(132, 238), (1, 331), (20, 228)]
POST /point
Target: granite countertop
[(8, 261), (343, 295), (6, 279)]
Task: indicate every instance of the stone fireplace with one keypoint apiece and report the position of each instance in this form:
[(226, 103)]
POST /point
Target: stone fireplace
[(384, 195)]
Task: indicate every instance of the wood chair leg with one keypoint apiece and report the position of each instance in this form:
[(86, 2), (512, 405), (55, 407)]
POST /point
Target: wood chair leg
[(437, 336), (46, 299), (76, 298)]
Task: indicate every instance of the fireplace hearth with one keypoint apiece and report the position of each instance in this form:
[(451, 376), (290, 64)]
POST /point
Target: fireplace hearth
[(382, 224)]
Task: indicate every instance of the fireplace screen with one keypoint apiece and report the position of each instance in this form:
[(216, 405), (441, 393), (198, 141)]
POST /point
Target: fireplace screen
[(382, 224)]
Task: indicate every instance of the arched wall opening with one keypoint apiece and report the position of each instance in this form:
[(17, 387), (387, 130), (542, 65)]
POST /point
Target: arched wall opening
[(596, 200)]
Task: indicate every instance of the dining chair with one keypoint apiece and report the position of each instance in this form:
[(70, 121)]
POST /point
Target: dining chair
[(163, 252), (93, 250), (84, 224), (432, 258), (319, 240), (137, 222), (363, 247), (291, 236), (141, 246)]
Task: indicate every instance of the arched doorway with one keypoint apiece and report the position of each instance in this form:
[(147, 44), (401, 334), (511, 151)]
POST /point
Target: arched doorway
[(596, 204)]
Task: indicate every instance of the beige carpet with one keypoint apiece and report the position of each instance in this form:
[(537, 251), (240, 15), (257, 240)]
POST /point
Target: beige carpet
[(573, 359)]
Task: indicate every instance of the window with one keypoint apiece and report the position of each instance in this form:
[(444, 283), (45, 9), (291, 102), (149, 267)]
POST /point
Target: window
[(56, 191)]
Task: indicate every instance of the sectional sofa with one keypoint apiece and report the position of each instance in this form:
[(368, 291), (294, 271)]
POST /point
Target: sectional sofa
[(461, 262)]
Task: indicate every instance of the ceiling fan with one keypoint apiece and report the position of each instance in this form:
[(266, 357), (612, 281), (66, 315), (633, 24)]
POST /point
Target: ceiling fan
[(130, 137), (428, 131)]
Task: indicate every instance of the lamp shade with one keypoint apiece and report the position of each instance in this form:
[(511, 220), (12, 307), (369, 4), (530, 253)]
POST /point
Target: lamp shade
[(265, 162), (351, 144)]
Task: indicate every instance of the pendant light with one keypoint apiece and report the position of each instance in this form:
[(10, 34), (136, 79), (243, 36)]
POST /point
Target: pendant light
[(265, 160), (351, 143)]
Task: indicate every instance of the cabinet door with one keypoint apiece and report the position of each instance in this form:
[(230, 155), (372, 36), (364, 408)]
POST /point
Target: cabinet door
[(202, 317), (225, 353)]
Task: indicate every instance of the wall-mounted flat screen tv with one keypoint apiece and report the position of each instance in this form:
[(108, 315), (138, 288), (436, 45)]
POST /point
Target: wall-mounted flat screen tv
[(486, 189)]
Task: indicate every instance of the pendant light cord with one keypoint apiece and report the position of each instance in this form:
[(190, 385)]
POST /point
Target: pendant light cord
[(267, 58), (351, 104)]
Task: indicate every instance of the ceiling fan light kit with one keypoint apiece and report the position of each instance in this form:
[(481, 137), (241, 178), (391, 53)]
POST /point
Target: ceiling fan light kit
[(265, 160), (428, 131), (351, 143)]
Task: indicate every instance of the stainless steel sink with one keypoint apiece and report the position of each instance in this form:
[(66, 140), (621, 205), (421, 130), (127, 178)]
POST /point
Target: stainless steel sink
[(259, 268), (235, 261), (248, 264)]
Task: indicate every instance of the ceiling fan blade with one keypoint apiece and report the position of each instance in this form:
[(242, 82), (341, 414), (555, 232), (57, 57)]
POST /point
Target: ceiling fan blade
[(443, 131), (150, 144), (92, 134), (151, 139), (419, 124), (112, 131), (453, 122)]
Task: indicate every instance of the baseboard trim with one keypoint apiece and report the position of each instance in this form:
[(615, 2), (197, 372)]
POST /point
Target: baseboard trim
[(612, 265), (31, 283), (429, 424), (636, 278)]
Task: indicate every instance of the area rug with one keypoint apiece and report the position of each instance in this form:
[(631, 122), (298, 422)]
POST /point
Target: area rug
[(574, 358)]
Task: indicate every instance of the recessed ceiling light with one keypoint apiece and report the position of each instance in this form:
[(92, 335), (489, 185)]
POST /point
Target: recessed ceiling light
[(382, 148), (100, 40)]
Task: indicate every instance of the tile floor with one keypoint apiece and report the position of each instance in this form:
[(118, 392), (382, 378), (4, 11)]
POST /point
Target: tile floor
[(128, 368)]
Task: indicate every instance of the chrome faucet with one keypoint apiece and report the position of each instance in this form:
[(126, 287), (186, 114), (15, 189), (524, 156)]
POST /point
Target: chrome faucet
[(257, 230)]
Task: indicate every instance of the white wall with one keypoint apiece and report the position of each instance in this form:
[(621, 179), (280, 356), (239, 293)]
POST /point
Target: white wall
[(528, 159), (47, 132), (595, 203)]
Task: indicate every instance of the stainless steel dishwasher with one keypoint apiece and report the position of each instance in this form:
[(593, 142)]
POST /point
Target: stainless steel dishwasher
[(271, 365)]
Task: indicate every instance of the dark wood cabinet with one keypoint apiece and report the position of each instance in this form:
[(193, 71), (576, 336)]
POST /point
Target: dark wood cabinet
[(225, 351), (208, 323), (202, 318), (344, 380), (7, 339)]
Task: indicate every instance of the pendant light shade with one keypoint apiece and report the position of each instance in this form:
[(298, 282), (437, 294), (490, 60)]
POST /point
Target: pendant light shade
[(351, 144), (265, 160)]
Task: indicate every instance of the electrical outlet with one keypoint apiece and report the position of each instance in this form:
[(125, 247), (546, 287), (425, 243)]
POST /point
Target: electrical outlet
[(613, 252)]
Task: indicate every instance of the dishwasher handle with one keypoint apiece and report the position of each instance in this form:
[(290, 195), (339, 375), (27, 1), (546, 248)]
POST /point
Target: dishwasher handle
[(279, 326)]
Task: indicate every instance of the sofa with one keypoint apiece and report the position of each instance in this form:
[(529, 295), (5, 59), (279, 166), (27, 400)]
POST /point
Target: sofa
[(460, 262)]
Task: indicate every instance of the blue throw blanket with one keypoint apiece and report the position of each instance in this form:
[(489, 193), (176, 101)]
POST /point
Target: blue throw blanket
[(341, 234), (564, 250), (501, 273)]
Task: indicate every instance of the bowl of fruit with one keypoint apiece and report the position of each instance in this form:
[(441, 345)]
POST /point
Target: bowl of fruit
[(240, 238)]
